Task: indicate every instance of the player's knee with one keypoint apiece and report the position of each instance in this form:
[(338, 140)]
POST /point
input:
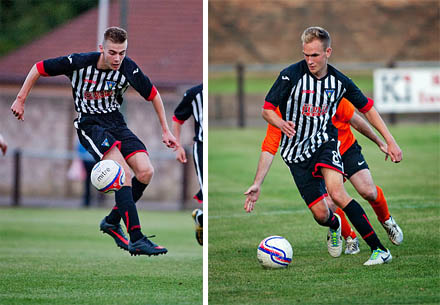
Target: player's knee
[(145, 175), (321, 216), (369, 194), (337, 195)]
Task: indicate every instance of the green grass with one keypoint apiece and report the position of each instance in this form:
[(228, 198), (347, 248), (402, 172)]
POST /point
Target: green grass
[(59, 256), (261, 82), (412, 189)]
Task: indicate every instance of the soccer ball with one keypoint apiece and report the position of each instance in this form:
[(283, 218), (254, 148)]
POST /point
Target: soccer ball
[(274, 252), (107, 176)]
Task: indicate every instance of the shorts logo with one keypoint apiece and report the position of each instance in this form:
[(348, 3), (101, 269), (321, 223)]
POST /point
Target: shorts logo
[(105, 143), (329, 93), (110, 84)]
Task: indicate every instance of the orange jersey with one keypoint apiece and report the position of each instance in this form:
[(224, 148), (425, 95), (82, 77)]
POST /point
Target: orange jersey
[(341, 120)]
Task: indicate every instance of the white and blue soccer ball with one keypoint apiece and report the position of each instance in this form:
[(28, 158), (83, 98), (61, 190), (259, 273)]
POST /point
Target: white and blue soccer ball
[(107, 176), (274, 252)]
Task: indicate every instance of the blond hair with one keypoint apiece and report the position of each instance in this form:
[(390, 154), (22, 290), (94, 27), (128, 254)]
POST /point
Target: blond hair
[(316, 32)]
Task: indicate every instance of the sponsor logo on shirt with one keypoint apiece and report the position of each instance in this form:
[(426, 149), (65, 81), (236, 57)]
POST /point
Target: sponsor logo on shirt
[(310, 110), (96, 95), (89, 81)]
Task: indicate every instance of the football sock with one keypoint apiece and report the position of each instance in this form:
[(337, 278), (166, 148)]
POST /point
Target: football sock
[(359, 219), (127, 210), (332, 221), (346, 230), (380, 206), (137, 190)]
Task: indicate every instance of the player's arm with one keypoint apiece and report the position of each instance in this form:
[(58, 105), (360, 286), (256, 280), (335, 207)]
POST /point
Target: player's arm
[(393, 150), (253, 191), (180, 151), (287, 127), (17, 107), (364, 128), (167, 136)]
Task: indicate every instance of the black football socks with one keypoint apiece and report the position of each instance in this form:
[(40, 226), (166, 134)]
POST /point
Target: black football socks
[(127, 211), (360, 221), (137, 190), (332, 221)]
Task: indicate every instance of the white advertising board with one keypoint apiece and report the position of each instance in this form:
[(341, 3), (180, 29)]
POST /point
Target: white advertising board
[(407, 90)]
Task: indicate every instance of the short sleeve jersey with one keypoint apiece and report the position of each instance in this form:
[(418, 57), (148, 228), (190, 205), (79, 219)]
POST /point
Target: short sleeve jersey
[(341, 120), (310, 103), (192, 105), (95, 90)]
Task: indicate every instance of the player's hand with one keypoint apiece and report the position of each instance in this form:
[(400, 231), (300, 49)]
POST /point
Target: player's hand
[(17, 109), (252, 195), (180, 154), (3, 145), (384, 148), (394, 152), (169, 140), (288, 128)]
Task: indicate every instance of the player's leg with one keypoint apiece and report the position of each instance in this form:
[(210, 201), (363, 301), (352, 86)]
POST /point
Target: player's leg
[(357, 216), (197, 214), (314, 193), (363, 183), (351, 240)]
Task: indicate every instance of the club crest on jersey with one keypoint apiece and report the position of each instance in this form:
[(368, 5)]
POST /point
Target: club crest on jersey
[(329, 92), (105, 143), (110, 84)]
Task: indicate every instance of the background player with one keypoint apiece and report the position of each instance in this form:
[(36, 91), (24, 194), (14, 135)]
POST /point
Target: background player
[(99, 80), (192, 105), (308, 93)]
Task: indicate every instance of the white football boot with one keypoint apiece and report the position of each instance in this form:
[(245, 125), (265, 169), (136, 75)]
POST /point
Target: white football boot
[(352, 246), (334, 240), (379, 257), (394, 231)]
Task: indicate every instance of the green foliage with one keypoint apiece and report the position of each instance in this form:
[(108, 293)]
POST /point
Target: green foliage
[(22, 21), (412, 189), (59, 256)]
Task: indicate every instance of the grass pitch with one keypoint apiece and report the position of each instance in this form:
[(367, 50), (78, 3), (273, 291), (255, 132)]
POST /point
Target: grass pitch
[(59, 256), (412, 189)]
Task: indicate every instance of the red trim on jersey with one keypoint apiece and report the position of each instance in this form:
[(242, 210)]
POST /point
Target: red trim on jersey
[(117, 143), (315, 173), (175, 119), (367, 107), (153, 94), (317, 200), (40, 68), (269, 106), (135, 152), (115, 208)]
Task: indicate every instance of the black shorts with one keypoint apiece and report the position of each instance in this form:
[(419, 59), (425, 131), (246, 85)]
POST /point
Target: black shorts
[(353, 160), (98, 133), (307, 175)]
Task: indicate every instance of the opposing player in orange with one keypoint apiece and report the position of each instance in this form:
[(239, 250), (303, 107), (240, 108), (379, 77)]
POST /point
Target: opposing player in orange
[(355, 168)]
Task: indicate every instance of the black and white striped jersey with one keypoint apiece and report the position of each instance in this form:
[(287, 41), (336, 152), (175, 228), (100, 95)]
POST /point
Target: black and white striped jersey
[(97, 91), (192, 104), (310, 103)]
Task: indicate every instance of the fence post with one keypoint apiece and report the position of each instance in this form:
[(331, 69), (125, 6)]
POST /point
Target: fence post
[(240, 95), (16, 194)]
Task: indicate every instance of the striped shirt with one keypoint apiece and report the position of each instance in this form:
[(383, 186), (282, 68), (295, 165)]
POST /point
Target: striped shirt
[(97, 91), (192, 104), (310, 103)]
